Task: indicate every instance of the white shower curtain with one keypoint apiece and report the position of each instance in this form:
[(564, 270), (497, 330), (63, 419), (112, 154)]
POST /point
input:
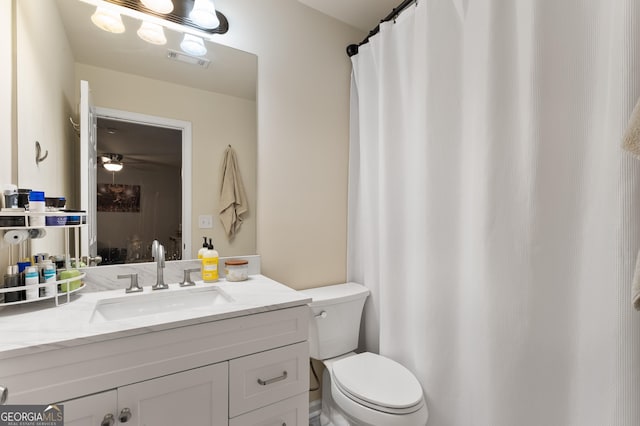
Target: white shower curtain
[(492, 212)]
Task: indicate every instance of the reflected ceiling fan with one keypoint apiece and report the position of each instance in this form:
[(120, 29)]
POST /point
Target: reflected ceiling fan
[(115, 162), (111, 162)]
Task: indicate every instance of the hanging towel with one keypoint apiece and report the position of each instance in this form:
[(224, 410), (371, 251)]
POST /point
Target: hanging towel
[(233, 200), (631, 138), (635, 287)]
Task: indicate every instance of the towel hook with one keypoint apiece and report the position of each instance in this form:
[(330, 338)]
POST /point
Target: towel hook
[(40, 158)]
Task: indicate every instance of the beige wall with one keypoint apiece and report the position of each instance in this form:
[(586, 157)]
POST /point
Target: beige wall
[(8, 173), (303, 135), (45, 98), (217, 121), (7, 89)]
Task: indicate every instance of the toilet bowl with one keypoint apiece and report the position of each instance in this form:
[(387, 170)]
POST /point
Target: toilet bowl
[(363, 388)]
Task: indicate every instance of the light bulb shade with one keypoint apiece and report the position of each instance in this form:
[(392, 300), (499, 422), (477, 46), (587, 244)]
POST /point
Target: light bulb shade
[(160, 6), (204, 15), (108, 20), (113, 166), (152, 33), (193, 45), (111, 162)]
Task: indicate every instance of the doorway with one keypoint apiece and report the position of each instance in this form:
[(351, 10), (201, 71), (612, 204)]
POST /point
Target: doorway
[(150, 196)]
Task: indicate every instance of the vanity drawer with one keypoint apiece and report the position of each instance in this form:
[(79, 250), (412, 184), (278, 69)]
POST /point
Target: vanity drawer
[(264, 378), (290, 412)]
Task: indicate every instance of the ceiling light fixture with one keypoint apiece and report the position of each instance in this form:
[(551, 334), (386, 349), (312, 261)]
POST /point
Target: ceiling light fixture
[(152, 33), (178, 20), (193, 45), (160, 6), (112, 162), (204, 15), (108, 20)]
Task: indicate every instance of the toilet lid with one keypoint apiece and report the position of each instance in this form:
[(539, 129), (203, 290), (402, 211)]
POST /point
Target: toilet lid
[(377, 381)]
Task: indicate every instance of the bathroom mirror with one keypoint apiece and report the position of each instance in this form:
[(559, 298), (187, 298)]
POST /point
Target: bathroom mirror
[(216, 93)]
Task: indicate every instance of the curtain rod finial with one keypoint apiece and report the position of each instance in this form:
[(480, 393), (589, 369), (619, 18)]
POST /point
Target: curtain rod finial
[(352, 49)]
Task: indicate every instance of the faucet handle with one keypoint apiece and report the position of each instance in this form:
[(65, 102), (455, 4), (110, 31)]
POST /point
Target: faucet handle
[(186, 281), (133, 285)]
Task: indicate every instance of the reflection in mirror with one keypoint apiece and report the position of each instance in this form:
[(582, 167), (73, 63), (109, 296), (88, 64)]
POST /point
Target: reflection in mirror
[(139, 194), (215, 93)]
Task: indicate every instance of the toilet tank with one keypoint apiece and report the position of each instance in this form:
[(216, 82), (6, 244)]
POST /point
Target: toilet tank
[(334, 324)]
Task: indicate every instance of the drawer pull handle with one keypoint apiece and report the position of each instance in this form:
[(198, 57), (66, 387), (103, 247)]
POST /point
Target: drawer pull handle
[(270, 381)]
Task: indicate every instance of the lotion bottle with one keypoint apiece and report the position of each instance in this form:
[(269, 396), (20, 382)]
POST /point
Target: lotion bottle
[(31, 280), (210, 264)]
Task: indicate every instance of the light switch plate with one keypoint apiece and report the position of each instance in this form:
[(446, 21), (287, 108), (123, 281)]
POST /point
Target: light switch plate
[(205, 221)]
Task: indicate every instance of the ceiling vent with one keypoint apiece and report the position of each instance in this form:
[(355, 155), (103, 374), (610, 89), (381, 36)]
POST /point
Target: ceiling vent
[(193, 60)]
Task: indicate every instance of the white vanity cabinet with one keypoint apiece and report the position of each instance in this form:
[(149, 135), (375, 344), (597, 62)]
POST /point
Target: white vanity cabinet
[(193, 397), (246, 370), (91, 410)]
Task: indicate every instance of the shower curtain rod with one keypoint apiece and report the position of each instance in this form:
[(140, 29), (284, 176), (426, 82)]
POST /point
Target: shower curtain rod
[(352, 49)]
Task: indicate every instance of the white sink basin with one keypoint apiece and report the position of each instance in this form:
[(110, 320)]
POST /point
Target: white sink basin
[(158, 302)]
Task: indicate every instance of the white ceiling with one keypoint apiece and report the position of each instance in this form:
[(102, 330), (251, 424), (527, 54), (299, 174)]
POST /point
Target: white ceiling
[(361, 14)]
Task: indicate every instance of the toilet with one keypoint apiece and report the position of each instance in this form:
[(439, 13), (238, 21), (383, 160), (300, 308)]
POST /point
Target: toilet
[(364, 388)]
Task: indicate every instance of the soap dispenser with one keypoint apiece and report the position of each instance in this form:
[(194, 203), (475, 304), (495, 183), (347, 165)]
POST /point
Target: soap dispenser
[(204, 248), (210, 264)]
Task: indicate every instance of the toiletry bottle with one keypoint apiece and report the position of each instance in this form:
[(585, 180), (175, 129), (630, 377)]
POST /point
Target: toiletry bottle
[(50, 278), (204, 248), (10, 196), (22, 295), (31, 282), (12, 279), (210, 264), (36, 206)]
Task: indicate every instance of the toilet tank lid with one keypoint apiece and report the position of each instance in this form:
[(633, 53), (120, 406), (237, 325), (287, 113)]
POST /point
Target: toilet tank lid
[(336, 293)]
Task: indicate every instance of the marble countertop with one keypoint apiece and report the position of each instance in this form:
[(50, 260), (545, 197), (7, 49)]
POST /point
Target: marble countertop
[(42, 326)]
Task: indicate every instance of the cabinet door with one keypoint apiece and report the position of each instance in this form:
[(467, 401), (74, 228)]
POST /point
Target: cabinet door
[(195, 397), (93, 410), (290, 412)]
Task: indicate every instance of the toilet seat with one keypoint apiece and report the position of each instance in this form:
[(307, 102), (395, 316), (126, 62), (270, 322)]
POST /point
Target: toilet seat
[(378, 383)]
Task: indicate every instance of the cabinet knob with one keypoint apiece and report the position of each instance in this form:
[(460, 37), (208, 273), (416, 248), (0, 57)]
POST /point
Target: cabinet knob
[(108, 420), (125, 415), (4, 394)]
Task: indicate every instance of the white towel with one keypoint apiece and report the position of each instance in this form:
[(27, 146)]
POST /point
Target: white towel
[(233, 199), (635, 288), (631, 138)]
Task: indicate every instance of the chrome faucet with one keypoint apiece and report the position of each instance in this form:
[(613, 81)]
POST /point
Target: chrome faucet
[(157, 251)]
